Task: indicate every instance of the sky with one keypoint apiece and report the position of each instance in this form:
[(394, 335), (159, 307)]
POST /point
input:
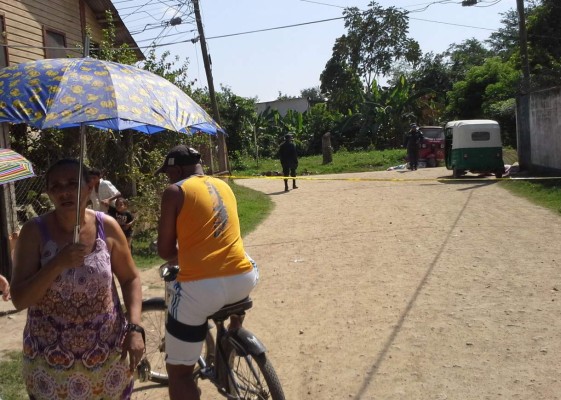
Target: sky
[(262, 64)]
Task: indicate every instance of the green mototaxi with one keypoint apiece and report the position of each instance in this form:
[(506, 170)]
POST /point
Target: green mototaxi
[(474, 146)]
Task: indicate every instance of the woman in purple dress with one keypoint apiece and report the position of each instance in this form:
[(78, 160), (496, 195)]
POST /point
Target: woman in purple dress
[(77, 336)]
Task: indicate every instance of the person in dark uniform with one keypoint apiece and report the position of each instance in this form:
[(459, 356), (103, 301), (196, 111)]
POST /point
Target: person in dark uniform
[(289, 160), (413, 139)]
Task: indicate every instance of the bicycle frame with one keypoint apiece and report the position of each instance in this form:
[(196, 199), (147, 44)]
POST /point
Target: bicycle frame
[(243, 341), (234, 359)]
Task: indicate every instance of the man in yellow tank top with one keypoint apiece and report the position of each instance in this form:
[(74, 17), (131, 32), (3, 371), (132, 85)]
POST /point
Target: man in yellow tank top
[(199, 229)]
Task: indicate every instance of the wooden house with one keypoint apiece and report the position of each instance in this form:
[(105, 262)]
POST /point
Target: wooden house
[(36, 29)]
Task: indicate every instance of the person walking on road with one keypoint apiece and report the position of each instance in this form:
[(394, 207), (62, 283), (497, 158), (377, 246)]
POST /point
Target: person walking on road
[(413, 139), (289, 160)]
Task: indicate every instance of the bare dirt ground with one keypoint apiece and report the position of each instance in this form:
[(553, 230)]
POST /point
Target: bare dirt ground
[(400, 289)]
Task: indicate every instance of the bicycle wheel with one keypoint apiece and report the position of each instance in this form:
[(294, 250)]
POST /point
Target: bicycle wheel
[(253, 377), (154, 313), (153, 365)]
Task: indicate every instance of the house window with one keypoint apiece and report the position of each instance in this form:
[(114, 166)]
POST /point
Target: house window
[(3, 40), (55, 44)]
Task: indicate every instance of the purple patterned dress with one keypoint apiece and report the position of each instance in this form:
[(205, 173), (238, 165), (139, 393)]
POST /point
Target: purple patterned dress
[(72, 339)]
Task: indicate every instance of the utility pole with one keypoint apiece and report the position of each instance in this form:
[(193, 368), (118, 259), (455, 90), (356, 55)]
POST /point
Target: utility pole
[(523, 46), (524, 136), (222, 151)]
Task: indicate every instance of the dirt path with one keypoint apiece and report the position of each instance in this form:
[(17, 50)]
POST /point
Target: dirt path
[(403, 290)]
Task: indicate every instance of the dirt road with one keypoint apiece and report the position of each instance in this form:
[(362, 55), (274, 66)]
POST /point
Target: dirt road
[(381, 289)]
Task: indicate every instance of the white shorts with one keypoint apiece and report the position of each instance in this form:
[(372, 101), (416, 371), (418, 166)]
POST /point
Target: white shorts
[(192, 302)]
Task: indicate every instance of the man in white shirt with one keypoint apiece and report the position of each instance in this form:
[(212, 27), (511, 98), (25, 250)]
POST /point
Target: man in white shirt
[(104, 193)]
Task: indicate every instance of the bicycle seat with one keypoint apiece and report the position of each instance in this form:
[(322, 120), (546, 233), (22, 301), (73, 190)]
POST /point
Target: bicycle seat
[(234, 308)]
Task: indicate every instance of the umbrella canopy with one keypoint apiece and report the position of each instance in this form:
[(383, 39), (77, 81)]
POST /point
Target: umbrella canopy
[(13, 167), (70, 92)]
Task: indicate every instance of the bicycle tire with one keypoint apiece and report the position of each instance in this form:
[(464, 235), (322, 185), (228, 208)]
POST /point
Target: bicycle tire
[(154, 313), (248, 383)]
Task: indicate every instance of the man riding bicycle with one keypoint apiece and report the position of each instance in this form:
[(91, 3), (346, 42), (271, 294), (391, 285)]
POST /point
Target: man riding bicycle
[(198, 229)]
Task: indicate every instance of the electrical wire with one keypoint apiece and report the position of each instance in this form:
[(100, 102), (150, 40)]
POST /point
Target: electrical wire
[(161, 36)]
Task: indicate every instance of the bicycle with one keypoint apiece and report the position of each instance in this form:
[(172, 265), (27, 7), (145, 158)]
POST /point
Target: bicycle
[(235, 361)]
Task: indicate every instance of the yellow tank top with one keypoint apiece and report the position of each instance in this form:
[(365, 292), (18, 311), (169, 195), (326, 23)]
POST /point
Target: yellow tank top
[(208, 231)]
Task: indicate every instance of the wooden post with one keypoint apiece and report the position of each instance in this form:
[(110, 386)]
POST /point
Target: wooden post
[(326, 148), (222, 151)]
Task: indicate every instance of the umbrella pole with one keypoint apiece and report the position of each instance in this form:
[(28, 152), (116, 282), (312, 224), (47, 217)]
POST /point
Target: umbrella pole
[(80, 173)]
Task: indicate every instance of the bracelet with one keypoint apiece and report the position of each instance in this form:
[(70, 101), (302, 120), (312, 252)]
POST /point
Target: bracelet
[(137, 328)]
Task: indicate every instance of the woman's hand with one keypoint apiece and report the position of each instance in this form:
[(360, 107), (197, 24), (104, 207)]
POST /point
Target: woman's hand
[(72, 255), (134, 347), (5, 288)]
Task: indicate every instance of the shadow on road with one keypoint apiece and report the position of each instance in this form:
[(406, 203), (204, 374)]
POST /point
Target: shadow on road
[(370, 375)]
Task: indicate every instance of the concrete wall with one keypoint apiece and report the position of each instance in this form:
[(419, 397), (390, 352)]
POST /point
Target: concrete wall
[(539, 130), (282, 106)]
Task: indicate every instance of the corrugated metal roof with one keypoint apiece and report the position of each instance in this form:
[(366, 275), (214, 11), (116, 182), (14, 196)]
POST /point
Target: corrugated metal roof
[(122, 33)]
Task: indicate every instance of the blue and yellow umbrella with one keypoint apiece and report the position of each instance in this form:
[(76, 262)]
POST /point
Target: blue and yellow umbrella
[(71, 92), (79, 92)]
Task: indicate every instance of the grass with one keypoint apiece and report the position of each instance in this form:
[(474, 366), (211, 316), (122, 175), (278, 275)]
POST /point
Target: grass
[(253, 207), (545, 193), (343, 161), (11, 381)]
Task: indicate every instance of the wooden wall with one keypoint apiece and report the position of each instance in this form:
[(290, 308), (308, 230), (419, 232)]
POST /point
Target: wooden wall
[(26, 20)]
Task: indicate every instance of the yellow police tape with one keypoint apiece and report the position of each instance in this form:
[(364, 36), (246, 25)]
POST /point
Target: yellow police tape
[(444, 179)]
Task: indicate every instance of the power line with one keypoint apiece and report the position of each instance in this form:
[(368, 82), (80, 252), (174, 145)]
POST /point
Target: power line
[(263, 30), (275, 28)]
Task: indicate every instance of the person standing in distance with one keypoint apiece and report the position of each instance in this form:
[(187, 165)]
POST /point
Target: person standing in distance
[(199, 230), (104, 193), (412, 140), (289, 160)]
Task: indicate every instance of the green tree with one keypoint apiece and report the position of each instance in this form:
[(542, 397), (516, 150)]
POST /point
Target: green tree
[(375, 39), (342, 86), (237, 115), (430, 80), (487, 92), (313, 95), (169, 70), (108, 49), (544, 43), (317, 121), (470, 53), (506, 41)]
